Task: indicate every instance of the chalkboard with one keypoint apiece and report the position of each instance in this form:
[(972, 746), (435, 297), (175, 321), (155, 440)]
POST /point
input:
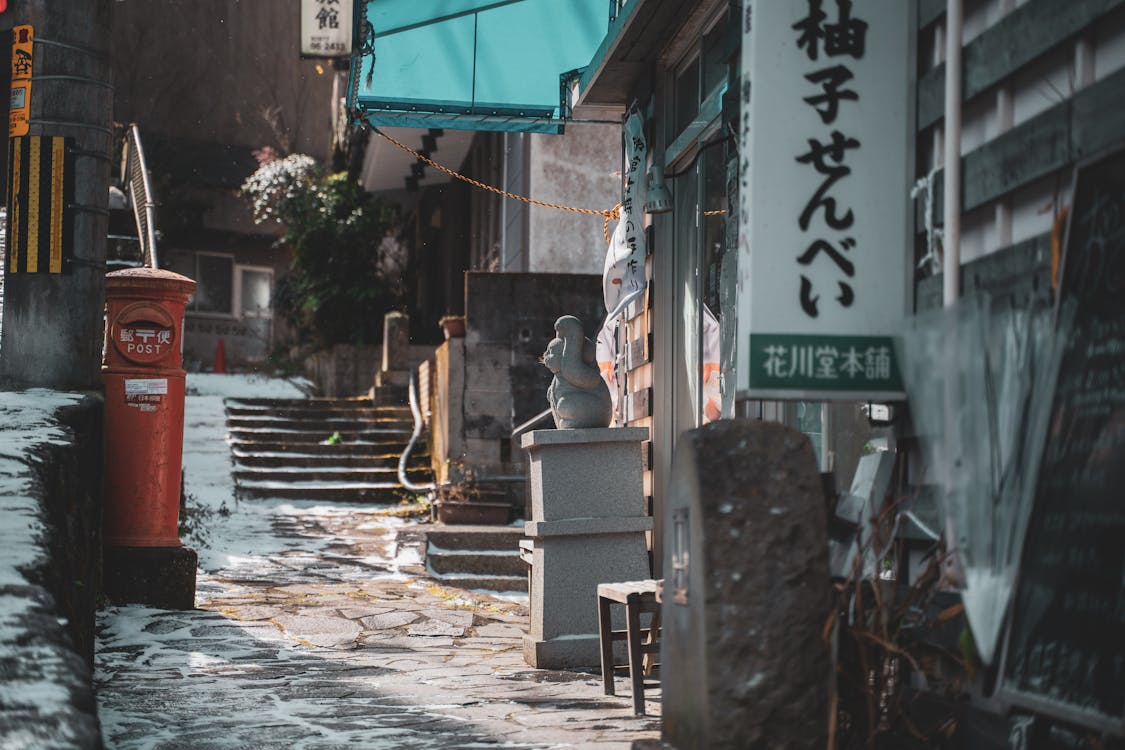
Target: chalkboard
[(1065, 652)]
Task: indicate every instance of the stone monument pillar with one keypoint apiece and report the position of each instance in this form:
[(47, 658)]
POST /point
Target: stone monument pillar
[(393, 375), (746, 591), (587, 527)]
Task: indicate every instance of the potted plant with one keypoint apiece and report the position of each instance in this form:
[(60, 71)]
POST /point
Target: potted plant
[(458, 501), (453, 326)]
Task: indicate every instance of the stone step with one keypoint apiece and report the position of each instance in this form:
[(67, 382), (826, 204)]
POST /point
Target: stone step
[(364, 437), (392, 395), (374, 493), (257, 459), (241, 447), (294, 475), (340, 424), (298, 403), (475, 582), (441, 562), (320, 412), (471, 538)]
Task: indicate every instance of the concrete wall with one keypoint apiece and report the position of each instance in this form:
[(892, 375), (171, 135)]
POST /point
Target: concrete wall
[(213, 70), (344, 370), (50, 563), (509, 321), (208, 82), (446, 423), (581, 168)]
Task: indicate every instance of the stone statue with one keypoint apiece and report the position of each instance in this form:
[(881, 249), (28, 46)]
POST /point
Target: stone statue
[(578, 395)]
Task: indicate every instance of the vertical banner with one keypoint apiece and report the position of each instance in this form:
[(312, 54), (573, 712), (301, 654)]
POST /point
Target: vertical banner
[(19, 106), (40, 187), (326, 28), (824, 235), (623, 274)]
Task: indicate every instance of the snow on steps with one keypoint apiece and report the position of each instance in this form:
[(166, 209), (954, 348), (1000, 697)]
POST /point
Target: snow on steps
[(336, 450)]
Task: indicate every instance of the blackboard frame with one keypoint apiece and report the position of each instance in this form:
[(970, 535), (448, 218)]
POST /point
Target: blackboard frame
[(1006, 692)]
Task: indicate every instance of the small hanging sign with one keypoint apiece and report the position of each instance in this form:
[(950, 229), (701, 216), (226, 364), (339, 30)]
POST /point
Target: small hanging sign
[(20, 101), (326, 28)]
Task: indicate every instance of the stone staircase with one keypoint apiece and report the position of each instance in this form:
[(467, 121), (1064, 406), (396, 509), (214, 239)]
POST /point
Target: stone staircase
[(328, 449), (347, 450), (476, 557)]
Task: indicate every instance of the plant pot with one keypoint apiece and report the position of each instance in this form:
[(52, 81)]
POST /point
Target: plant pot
[(453, 326), (455, 512)]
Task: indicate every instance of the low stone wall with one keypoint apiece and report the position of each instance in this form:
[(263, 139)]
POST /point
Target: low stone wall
[(50, 548), (345, 370)]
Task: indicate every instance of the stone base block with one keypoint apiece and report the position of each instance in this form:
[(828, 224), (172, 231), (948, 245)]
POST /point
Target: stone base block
[(586, 473), (161, 577), (567, 652), (392, 377)]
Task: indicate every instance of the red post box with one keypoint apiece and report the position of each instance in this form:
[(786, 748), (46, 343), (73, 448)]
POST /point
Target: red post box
[(142, 367)]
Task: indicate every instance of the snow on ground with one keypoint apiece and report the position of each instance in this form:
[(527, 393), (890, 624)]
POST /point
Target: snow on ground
[(315, 631), (28, 420), (240, 536), (246, 386), (39, 678)]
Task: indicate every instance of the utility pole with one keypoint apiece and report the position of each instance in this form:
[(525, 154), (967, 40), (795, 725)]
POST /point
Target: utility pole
[(57, 195)]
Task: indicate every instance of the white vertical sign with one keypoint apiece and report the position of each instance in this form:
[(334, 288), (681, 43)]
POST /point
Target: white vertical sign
[(824, 235), (326, 28)]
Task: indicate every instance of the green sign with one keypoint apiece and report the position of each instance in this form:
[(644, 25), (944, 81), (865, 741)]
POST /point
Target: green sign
[(824, 364), (825, 234)]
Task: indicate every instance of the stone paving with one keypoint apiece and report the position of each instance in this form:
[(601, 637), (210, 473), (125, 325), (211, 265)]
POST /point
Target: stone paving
[(328, 642)]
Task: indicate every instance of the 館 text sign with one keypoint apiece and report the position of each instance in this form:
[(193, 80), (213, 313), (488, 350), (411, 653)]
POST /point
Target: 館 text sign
[(825, 237)]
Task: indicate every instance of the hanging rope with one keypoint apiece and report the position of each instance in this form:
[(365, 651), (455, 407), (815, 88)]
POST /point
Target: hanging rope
[(612, 213)]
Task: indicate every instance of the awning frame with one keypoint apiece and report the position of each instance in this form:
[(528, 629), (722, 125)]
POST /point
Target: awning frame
[(422, 113)]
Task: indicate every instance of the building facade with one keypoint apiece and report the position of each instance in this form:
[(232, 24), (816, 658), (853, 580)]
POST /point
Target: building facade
[(246, 89)]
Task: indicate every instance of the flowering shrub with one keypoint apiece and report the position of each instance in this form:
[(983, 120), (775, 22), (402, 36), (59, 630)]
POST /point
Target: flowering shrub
[(346, 271), (280, 187)]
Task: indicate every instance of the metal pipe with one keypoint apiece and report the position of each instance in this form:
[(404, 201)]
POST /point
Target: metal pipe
[(541, 416), (951, 193), (405, 457)]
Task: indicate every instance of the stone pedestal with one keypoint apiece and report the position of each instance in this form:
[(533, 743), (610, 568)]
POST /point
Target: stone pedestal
[(746, 591), (162, 577), (587, 527)]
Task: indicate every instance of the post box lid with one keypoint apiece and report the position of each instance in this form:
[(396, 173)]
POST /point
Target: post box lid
[(148, 279)]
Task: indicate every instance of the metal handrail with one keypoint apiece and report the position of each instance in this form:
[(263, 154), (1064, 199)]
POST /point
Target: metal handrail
[(419, 424), (542, 416), (136, 180)]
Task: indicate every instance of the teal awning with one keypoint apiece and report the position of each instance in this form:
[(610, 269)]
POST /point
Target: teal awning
[(471, 64)]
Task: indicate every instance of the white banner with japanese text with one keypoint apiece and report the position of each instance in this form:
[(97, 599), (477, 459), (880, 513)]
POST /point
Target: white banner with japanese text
[(824, 235), (326, 28)]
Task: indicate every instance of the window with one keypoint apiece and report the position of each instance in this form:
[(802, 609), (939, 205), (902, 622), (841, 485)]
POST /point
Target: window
[(223, 287), (214, 291), (255, 285), (700, 165), (254, 291)]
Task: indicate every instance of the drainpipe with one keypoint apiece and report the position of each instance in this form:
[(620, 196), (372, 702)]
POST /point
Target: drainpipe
[(951, 207), (953, 571)]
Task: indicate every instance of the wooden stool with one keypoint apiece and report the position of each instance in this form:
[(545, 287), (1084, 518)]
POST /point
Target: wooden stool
[(638, 597)]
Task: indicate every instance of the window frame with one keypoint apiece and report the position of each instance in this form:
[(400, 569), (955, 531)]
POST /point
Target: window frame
[(231, 314)]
